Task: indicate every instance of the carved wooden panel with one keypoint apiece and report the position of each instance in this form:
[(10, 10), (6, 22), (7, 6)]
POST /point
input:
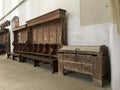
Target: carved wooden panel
[(22, 36), (45, 34), (35, 34), (53, 32), (49, 28), (40, 34), (61, 32)]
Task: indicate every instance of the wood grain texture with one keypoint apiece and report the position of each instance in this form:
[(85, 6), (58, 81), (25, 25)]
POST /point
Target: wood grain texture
[(95, 64)]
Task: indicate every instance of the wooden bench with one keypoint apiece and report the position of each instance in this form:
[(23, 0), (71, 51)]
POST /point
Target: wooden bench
[(46, 54), (38, 39), (9, 54), (14, 56), (37, 59)]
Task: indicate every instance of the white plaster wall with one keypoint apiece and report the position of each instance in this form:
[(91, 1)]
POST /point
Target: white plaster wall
[(7, 7), (86, 35), (94, 12), (97, 34), (115, 57), (1, 8)]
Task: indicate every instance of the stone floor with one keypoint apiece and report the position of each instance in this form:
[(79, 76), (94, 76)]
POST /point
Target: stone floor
[(23, 76)]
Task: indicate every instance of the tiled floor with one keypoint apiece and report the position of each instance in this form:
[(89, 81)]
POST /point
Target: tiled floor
[(23, 76)]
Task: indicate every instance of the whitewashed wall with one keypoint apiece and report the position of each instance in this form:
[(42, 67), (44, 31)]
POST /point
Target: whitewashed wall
[(97, 34), (115, 57), (1, 9), (86, 35)]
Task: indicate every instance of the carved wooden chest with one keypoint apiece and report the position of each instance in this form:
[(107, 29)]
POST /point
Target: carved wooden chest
[(90, 60)]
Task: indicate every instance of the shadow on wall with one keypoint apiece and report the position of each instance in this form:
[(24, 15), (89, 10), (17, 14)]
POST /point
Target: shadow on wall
[(115, 57)]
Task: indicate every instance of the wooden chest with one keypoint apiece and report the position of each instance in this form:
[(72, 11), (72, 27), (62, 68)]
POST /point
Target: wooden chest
[(90, 60)]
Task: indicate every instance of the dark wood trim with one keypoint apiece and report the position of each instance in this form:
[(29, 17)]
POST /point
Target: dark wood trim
[(46, 17)]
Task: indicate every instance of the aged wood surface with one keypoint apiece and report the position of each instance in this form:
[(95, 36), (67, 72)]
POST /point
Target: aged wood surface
[(41, 38), (90, 60), (4, 40)]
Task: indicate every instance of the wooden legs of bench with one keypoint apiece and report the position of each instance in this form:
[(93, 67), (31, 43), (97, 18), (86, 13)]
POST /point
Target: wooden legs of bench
[(55, 66), (22, 59), (13, 57), (8, 55), (36, 63), (52, 62)]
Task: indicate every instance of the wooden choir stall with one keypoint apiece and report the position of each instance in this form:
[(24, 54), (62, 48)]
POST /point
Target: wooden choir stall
[(20, 39), (4, 41), (4, 37), (40, 39)]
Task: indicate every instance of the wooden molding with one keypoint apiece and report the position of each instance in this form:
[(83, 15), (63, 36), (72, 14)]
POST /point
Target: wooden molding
[(46, 17)]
